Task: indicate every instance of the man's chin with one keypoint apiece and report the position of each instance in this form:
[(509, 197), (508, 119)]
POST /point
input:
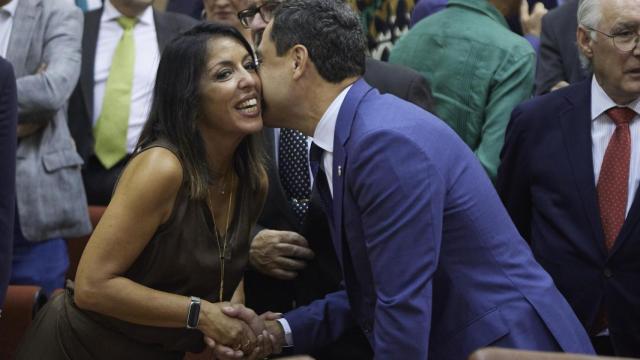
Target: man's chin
[(269, 120)]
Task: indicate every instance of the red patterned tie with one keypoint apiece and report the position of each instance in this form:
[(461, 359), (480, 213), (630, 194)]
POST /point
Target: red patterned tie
[(613, 182)]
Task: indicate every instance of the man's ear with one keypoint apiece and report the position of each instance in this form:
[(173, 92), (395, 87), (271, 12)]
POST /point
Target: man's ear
[(584, 41), (299, 60)]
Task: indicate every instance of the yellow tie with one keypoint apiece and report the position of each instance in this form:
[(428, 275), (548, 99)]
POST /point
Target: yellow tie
[(111, 129)]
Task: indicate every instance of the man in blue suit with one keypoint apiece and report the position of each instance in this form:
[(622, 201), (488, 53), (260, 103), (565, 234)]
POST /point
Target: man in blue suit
[(570, 173), (432, 265)]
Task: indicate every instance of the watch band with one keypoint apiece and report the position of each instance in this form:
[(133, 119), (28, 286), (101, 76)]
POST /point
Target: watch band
[(193, 314)]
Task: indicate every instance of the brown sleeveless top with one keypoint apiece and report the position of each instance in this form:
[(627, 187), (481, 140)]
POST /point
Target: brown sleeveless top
[(182, 258)]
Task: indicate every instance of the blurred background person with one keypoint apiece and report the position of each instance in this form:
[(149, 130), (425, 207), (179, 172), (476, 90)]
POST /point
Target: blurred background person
[(479, 76), (226, 12), (170, 251), (558, 62), (121, 46), (530, 17), (41, 39)]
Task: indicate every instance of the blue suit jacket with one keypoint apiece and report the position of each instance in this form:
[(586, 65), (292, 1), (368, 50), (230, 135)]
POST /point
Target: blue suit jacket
[(8, 121), (547, 183), (433, 266)]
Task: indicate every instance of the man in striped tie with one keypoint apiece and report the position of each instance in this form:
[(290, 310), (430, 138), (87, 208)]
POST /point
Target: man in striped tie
[(570, 173)]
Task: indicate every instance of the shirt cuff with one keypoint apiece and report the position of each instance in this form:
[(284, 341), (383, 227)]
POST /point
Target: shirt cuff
[(288, 337)]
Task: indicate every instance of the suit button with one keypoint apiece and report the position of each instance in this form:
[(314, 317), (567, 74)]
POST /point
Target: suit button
[(608, 273)]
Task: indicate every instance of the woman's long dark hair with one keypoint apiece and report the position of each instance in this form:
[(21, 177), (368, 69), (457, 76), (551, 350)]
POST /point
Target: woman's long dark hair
[(176, 108)]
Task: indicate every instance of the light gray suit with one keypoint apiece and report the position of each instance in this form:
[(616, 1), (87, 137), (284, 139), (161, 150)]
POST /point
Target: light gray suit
[(49, 190)]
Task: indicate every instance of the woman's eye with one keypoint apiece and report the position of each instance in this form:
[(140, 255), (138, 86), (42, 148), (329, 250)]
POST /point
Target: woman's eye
[(251, 66), (223, 74)]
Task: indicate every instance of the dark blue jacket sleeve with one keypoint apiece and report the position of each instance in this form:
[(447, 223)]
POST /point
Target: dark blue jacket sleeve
[(8, 138)]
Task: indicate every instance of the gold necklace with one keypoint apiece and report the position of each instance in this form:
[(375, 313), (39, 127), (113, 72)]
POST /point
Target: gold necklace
[(222, 249)]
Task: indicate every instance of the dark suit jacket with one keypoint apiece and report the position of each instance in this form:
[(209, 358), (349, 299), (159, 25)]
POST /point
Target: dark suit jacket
[(558, 56), (322, 275), (547, 184), (192, 8), (168, 25), (8, 121), (433, 267)]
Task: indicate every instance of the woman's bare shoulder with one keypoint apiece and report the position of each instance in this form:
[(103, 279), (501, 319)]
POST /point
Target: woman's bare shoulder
[(155, 172)]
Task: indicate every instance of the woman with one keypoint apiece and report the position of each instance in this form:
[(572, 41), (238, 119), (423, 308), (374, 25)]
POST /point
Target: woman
[(178, 224)]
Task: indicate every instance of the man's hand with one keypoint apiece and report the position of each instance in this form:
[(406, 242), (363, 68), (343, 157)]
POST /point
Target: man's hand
[(42, 68), (24, 130), (279, 254), (532, 22)]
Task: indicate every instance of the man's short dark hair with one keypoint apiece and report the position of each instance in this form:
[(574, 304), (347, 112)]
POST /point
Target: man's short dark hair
[(329, 29)]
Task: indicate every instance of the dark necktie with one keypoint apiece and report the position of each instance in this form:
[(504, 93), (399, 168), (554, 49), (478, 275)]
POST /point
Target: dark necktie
[(293, 165), (320, 179), (613, 183)]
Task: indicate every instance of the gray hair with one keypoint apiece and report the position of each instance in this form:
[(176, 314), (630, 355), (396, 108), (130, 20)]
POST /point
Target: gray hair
[(589, 16)]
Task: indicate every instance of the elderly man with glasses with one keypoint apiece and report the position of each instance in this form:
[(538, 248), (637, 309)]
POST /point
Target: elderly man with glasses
[(570, 173), (292, 258)]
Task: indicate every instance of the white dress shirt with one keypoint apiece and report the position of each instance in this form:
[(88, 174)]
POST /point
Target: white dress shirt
[(7, 14), (602, 128), (147, 56)]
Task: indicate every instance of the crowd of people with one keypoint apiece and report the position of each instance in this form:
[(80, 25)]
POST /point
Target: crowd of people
[(272, 189)]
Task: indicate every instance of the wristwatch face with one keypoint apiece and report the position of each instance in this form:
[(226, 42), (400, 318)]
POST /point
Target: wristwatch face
[(194, 313)]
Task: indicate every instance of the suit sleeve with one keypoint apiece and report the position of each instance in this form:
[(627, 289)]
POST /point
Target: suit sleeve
[(8, 120), (549, 70), (419, 93), (400, 195), (513, 183), (512, 84), (48, 91), (320, 323)]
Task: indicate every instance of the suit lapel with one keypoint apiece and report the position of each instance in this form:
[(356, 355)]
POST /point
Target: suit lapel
[(629, 223), (344, 122), (26, 17), (164, 29), (89, 44), (576, 130)]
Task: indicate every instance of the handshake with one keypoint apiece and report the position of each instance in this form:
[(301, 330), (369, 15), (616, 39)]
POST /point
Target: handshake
[(237, 332)]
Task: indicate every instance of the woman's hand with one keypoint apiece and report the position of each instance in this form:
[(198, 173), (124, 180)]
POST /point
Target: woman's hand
[(236, 334)]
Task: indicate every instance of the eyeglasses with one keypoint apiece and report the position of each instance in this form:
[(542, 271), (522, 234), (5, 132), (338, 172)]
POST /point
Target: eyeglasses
[(265, 10), (626, 41)]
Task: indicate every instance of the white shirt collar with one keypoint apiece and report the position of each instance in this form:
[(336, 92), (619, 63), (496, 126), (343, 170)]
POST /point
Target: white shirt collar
[(11, 7), (601, 102), (110, 13), (323, 135)]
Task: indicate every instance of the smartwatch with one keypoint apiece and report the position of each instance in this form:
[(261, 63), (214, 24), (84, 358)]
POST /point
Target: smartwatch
[(193, 313)]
